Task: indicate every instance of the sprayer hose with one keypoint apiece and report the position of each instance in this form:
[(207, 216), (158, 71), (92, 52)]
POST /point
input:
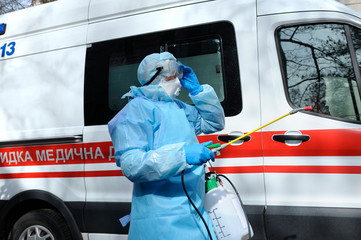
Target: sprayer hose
[(194, 206)]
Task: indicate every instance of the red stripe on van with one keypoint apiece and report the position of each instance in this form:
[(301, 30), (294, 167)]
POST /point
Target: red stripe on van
[(43, 155), (77, 174), (60, 154), (327, 142), (252, 148), (106, 173), (314, 169), (42, 175), (235, 170), (219, 170), (339, 142), (290, 169), (117, 173), (336, 142)]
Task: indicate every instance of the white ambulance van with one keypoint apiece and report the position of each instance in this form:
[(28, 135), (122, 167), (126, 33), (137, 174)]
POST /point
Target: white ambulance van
[(65, 65)]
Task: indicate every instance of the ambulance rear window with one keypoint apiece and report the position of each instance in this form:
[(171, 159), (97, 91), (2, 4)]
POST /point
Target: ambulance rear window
[(320, 64), (111, 66)]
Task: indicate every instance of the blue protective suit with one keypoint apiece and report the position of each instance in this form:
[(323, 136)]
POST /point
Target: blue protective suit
[(149, 135)]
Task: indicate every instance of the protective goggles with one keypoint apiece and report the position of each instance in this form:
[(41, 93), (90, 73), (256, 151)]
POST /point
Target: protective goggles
[(167, 68)]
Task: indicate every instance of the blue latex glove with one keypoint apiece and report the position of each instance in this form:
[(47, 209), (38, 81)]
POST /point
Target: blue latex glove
[(198, 154), (190, 81)]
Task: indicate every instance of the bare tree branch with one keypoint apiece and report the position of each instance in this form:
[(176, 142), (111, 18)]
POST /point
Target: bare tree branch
[(7, 6)]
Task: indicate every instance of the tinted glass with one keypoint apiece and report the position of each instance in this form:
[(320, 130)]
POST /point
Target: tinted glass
[(318, 69), (111, 66)]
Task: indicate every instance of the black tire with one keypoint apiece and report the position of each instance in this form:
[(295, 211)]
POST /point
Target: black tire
[(50, 225)]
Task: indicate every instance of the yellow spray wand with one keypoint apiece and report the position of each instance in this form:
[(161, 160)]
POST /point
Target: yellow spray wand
[(217, 147)]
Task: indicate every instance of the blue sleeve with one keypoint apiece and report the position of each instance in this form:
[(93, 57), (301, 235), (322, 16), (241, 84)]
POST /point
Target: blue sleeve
[(207, 116), (132, 132)]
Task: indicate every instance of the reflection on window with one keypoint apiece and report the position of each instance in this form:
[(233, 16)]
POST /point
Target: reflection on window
[(356, 40), (318, 68), (121, 76), (111, 66), (204, 57)]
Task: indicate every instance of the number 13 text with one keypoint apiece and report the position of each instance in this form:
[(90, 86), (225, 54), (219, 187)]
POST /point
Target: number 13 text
[(7, 49)]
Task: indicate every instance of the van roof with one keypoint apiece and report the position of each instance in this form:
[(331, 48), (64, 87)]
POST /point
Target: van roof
[(46, 17), (60, 14), (270, 7)]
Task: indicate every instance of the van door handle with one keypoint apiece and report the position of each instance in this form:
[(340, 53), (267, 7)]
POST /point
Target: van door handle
[(284, 137), (228, 138)]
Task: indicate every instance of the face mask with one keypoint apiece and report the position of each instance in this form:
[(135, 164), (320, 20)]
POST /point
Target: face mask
[(171, 87)]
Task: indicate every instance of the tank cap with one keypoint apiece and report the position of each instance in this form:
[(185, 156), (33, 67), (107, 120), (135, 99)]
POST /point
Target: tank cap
[(2, 28), (211, 183)]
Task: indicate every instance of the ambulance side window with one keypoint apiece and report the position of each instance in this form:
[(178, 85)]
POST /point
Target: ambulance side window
[(320, 66), (111, 67), (205, 58)]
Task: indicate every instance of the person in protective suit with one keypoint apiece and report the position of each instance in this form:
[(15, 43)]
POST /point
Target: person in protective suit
[(154, 138)]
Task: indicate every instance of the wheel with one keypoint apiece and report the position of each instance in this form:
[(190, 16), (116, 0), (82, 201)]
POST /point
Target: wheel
[(42, 224)]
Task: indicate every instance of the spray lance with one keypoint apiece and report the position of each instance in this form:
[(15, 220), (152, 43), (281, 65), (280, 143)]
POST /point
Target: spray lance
[(224, 207), (216, 148)]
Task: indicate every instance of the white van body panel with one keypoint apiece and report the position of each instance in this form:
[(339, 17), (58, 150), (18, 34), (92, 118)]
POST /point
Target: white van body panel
[(109, 189), (68, 189), (59, 107), (265, 7), (108, 9), (47, 17), (56, 44)]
